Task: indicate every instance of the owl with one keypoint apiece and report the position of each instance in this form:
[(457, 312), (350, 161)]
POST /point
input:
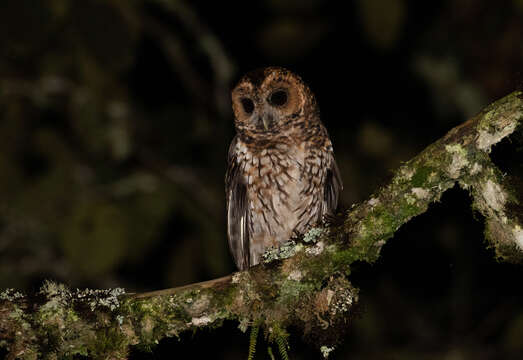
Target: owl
[(282, 177)]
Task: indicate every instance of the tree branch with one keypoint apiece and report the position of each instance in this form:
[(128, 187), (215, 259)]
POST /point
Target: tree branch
[(303, 283)]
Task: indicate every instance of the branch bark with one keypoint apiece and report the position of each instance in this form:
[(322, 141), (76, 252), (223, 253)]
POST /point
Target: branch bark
[(303, 283)]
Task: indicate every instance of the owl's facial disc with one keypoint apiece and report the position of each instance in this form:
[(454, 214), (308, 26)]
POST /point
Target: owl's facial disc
[(252, 111), (259, 116), (270, 100)]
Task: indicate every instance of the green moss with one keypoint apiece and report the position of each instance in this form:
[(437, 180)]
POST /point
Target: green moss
[(223, 299), (291, 291), (190, 296), (380, 222), (406, 210), (378, 226), (485, 122), (342, 260), (317, 266), (420, 177), (30, 354), (109, 343), (384, 221), (160, 316)]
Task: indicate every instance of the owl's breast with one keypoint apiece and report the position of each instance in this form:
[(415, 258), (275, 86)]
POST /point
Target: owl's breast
[(281, 192)]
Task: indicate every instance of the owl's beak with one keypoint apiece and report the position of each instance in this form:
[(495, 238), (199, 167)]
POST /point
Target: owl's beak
[(267, 119), (266, 122)]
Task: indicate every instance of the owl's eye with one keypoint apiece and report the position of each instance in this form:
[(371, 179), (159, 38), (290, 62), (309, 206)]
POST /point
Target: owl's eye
[(278, 98), (248, 105)]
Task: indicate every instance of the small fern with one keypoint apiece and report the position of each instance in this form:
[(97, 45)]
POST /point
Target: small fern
[(252, 342), (269, 350), (279, 336), (282, 346)]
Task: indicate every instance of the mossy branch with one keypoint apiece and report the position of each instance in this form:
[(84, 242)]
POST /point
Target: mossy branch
[(303, 284)]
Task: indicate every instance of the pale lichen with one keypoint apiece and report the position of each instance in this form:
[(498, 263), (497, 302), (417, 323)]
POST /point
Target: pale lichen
[(284, 251), (295, 275), (476, 169), (11, 295), (316, 249), (101, 298), (313, 234), (494, 196), (421, 193), (407, 173), (459, 160), (201, 321), (236, 277), (244, 324), (199, 305), (518, 236), (326, 350), (343, 300), (59, 295), (487, 138), (411, 200), (373, 201), (330, 295)]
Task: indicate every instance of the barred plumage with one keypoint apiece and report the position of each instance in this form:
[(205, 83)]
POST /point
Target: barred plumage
[(282, 177)]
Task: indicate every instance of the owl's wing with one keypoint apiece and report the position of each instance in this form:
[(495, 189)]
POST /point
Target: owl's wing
[(333, 187), (237, 211)]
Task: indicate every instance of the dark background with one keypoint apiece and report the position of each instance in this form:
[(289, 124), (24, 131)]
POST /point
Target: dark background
[(115, 122)]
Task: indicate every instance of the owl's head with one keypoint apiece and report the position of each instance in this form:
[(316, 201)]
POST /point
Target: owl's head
[(272, 100)]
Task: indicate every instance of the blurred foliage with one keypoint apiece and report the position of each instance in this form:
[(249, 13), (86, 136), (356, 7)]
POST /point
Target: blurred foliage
[(115, 121), (383, 21), (86, 160)]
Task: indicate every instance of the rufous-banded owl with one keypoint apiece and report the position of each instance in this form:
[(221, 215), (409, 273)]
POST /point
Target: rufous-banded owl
[(282, 177)]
